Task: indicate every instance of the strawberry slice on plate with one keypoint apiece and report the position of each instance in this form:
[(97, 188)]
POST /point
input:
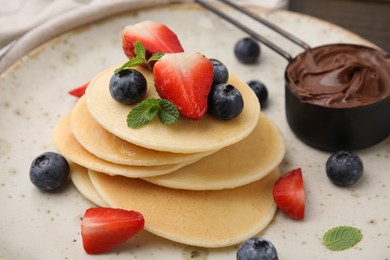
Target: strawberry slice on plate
[(104, 228), (185, 79), (289, 194), (154, 37), (79, 91)]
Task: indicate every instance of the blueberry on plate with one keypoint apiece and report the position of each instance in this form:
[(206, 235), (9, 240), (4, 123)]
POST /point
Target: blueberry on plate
[(257, 248), (49, 171), (344, 168), (221, 73), (247, 50), (260, 90), (128, 86), (225, 102)]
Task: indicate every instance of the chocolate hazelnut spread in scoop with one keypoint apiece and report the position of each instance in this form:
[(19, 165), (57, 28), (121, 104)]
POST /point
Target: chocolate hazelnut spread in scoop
[(338, 96), (340, 76)]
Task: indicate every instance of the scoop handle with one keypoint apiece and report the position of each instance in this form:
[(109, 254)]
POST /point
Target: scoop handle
[(251, 32)]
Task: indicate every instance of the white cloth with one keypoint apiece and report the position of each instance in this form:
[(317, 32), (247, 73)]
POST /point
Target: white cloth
[(26, 24)]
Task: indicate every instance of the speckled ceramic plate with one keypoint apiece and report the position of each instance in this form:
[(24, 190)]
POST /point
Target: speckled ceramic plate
[(36, 225)]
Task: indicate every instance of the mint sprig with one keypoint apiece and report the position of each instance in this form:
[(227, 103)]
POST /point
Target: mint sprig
[(140, 58), (145, 111), (341, 238)]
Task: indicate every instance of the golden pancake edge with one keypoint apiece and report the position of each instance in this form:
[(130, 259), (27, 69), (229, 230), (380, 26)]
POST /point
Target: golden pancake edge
[(239, 164), (68, 146), (185, 136), (109, 147), (199, 218)]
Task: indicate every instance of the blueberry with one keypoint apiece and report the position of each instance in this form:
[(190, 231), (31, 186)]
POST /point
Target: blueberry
[(49, 171), (260, 90), (247, 50), (221, 73), (225, 102), (344, 168), (257, 248), (128, 86)]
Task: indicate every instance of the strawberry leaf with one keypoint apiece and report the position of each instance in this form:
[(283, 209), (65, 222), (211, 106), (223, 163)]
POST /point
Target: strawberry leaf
[(168, 112), (341, 238), (145, 111)]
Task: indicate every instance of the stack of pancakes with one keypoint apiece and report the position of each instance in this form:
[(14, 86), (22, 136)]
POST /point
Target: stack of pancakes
[(205, 183)]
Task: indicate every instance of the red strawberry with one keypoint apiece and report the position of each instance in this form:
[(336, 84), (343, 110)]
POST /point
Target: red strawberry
[(153, 36), (185, 79), (79, 91), (289, 194), (105, 228)]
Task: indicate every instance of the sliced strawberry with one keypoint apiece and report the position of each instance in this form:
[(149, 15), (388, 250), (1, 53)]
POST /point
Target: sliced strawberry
[(153, 36), (105, 228), (79, 91), (185, 79), (289, 194)]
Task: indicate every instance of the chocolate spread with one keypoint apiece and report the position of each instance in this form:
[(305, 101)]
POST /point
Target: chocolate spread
[(340, 76)]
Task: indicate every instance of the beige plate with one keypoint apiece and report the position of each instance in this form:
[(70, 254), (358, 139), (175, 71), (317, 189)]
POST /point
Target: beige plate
[(239, 164), (36, 225)]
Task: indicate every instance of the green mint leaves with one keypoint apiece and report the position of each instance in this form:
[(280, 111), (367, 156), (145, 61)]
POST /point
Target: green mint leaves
[(341, 238), (140, 58), (145, 111)]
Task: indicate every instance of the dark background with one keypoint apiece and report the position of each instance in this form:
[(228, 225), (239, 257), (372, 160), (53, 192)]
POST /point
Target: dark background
[(368, 18)]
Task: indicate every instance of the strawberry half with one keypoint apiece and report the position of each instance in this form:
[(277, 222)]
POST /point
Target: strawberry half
[(289, 194), (153, 36), (105, 228), (79, 91), (185, 79)]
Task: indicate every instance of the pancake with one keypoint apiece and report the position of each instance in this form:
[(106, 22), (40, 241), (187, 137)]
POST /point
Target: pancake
[(109, 147), (199, 218), (185, 136), (80, 179), (68, 146), (239, 164)]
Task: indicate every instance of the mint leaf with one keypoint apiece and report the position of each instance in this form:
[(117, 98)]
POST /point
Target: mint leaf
[(136, 61), (145, 111), (156, 56), (140, 58), (341, 238), (139, 50), (168, 112)]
